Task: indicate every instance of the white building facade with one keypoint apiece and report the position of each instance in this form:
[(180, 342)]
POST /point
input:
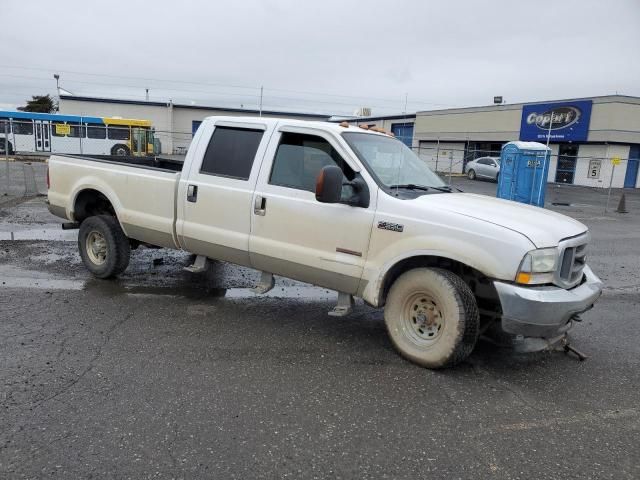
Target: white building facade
[(174, 124)]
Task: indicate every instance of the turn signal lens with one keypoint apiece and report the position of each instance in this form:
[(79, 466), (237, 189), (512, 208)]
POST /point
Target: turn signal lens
[(538, 267)]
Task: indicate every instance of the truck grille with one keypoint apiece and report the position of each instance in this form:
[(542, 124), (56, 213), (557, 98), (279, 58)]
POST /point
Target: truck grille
[(573, 257)]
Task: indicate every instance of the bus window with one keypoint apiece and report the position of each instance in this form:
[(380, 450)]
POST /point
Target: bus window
[(60, 129), (118, 133), (96, 131), (22, 127), (5, 124)]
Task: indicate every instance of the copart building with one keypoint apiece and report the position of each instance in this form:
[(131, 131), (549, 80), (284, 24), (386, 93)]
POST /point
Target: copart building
[(594, 141)]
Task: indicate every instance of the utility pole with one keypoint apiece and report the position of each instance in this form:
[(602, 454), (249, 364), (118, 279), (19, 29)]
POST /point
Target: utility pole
[(6, 152)]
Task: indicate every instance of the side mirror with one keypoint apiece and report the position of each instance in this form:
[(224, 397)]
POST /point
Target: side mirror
[(329, 184)]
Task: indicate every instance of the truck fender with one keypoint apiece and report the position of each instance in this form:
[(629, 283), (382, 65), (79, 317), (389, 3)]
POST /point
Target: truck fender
[(94, 183), (373, 290)]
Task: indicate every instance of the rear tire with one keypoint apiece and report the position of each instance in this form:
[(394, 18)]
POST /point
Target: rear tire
[(120, 150), (104, 248), (432, 317), (471, 174)]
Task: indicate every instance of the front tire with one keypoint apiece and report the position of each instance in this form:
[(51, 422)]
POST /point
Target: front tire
[(471, 174), (432, 317), (104, 248)]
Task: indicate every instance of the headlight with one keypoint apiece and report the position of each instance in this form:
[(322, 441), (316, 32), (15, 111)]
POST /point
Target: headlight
[(538, 266)]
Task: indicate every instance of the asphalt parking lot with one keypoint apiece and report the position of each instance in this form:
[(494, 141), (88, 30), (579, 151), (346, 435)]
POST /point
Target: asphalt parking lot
[(165, 374)]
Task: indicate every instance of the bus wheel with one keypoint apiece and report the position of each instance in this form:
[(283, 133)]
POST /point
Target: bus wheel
[(120, 150)]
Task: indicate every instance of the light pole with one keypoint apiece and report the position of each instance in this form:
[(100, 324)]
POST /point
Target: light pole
[(57, 77)]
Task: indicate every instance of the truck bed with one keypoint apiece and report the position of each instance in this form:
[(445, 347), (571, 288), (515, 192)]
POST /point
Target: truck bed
[(141, 189), (159, 163)]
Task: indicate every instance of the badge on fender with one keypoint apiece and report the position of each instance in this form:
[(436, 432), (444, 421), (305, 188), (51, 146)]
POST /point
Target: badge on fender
[(394, 227)]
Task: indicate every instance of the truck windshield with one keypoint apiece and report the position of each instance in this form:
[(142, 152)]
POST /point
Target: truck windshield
[(391, 161)]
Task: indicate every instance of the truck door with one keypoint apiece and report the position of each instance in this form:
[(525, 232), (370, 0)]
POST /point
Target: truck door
[(292, 233), (217, 193)]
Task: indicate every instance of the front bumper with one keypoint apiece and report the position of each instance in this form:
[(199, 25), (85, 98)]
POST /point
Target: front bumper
[(544, 311)]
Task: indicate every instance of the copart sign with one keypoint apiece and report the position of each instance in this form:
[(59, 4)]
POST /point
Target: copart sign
[(566, 121)]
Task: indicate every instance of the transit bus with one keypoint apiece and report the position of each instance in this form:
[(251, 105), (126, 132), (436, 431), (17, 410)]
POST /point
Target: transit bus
[(30, 132)]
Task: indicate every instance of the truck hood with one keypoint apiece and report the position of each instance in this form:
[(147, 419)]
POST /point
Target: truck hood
[(543, 228)]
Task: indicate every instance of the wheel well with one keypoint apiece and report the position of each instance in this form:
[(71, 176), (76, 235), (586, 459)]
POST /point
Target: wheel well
[(91, 202), (481, 286)]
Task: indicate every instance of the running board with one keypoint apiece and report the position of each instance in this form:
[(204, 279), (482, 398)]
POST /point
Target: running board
[(344, 306), (199, 265), (265, 284)]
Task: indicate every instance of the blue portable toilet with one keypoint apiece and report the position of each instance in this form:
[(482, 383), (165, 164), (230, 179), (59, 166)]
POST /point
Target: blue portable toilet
[(524, 167)]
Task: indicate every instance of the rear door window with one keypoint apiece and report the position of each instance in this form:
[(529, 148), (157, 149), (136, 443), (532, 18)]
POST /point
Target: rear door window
[(231, 152)]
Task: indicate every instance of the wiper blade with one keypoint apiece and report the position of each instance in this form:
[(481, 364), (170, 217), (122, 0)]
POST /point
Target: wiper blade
[(446, 188), (413, 186), (410, 186)]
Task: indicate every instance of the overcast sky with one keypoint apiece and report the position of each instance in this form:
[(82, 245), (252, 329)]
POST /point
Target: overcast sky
[(322, 56)]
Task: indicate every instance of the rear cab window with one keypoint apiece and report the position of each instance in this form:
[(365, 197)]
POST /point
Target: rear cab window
[(231, 152)]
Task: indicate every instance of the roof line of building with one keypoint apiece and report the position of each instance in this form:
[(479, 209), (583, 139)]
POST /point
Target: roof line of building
[(506, 106), (194, 107), (407, 116), (514, 106)]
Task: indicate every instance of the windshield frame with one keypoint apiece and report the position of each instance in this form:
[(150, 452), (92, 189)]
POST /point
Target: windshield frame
[(383, 186)]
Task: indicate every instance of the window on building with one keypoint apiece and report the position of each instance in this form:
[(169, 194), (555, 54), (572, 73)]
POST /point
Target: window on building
[(300, 158), (96, 131), (195, 124), (403, 132), (118, 133), (566, 168), (22, 126), (475, 150), (231, 152)]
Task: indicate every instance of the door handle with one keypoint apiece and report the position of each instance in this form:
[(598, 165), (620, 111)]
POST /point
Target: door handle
[(260, 206), (192, 193)]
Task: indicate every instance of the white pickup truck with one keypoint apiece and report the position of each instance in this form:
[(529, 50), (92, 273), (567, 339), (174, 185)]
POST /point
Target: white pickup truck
[(348, 209)]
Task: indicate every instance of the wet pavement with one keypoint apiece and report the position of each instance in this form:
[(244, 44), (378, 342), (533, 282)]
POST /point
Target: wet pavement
[(166, 374)]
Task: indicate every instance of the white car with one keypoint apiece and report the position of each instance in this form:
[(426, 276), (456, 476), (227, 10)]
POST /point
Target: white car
[(345, 208), (484, 167)]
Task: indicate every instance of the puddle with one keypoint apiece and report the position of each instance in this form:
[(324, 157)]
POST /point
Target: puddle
[(304, 293), (13, 277), (41, 232)]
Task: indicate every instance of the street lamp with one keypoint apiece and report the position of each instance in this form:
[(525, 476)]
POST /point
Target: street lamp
[(57, 77)]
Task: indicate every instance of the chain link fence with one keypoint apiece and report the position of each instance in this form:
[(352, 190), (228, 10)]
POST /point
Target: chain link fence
[(588, 171), (22, 179), (26, 146)]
